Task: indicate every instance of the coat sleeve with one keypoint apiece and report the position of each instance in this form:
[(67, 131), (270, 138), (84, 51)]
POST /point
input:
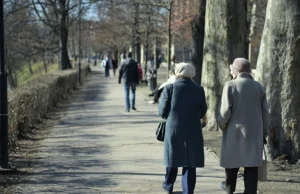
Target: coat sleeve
[(163, 85), (265, 115), (225, 107), (164, 103), (137, 74), (202, 105)]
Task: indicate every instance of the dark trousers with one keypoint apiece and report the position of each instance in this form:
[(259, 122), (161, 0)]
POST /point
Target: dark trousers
[(127, 87), (250, 179), (188, 179), (114, 70), (107, 72)]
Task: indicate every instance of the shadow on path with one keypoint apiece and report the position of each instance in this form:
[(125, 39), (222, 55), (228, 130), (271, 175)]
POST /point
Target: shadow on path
[(68, 159)]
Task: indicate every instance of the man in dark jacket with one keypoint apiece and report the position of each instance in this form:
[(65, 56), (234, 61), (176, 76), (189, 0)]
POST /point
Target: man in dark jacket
[(130, 74)]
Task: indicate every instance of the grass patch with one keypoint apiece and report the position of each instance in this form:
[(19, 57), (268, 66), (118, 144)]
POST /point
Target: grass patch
[(23, 75)]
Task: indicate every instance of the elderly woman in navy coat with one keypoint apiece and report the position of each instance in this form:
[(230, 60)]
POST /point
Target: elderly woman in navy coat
[(183, 104)]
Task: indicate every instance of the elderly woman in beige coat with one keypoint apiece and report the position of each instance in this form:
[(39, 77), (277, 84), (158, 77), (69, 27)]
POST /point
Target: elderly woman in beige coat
[(243, 119)]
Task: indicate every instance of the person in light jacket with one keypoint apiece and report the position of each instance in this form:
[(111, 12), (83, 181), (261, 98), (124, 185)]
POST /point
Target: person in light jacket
[(183, 104), (243, 118), (107, 65), (157, 92)]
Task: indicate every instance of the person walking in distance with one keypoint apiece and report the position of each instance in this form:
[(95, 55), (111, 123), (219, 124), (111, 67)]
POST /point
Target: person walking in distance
[(114, 61), (130, 74), (140, 72), (243, 119), (106, 64)]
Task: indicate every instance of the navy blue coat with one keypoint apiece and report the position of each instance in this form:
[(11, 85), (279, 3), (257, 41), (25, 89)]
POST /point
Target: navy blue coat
[(183, 104)]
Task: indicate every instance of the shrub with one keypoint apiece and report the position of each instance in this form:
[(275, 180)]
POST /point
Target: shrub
[(29, 103)]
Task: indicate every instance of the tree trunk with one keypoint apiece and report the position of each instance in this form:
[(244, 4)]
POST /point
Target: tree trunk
[(225, 36), (73, 45), (137, 35), (198, 26), (278, 69), (65, 61), (170, 36), (45, 64), (29, 66), (257, 17), (147, 46), (10, 77)]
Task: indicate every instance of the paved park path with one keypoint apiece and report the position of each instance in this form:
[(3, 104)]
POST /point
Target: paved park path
[(98, 148)]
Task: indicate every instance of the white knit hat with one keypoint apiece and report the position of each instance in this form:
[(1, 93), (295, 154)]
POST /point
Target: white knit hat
[(185, 70)]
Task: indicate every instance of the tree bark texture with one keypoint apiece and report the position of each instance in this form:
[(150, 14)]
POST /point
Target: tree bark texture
[(65, 61), (29, 67), (146, 48), (137, 34), (170, 36), (257, 17), (45, 64), (278, 68), (225, 36), (198, 26)]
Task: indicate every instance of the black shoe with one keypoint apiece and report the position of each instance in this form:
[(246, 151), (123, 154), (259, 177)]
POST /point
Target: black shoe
[(133, 108), (151, 94), (223, 186), (166, 191)]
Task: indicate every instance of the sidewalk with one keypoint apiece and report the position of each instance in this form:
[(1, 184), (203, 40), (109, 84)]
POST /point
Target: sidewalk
[(99, 148)]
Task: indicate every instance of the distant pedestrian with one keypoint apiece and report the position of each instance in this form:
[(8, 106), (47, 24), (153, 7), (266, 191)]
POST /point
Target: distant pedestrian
[(123, 57), (140, 72), (95, 61), (158, 61), (243, 118), (183, 104), (151, 74), (157, 92), (174, 60), (114, 61), (106, 64), (130, 74)]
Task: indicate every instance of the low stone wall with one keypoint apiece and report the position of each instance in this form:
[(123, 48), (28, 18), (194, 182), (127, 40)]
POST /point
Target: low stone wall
[(28, 104)]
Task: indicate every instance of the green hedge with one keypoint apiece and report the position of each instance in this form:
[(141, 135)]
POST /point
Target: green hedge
[(29, 103)]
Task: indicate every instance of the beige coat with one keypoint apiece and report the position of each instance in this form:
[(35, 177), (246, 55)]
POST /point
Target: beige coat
[(243, 118)]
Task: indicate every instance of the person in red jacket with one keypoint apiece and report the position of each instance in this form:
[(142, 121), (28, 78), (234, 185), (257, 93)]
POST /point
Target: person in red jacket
[(140, 72)]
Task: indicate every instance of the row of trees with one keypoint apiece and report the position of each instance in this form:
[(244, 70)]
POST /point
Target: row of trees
[(137, 24), (45, 29), (38, 30), (226, 37)]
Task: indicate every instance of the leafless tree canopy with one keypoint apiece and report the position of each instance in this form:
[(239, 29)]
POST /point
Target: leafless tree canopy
[(47, 30)]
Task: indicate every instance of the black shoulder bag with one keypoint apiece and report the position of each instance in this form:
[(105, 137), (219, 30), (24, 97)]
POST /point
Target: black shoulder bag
[(160, 132)]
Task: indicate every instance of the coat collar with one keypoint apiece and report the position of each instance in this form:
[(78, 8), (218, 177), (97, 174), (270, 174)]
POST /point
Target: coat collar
[(184, 79), (244, 75)]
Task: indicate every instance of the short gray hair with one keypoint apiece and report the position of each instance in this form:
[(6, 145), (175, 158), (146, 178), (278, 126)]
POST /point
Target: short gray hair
[(185, 70)]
